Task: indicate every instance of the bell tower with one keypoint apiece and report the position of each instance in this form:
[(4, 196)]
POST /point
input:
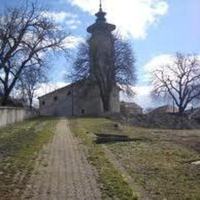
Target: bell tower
[(102, 68), (101, 44)]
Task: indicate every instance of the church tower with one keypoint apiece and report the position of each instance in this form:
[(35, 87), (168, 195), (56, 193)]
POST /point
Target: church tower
[(102, 69), (101, 44), (101, 94)]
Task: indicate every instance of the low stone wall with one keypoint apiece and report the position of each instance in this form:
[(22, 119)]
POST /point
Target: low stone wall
[(10, 115)]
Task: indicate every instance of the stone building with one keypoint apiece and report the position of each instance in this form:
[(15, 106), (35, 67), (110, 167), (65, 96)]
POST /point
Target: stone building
[(79, 98), (165, 109), (130, 108)]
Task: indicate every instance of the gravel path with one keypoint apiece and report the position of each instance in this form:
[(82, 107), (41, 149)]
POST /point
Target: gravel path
[(62, 171)]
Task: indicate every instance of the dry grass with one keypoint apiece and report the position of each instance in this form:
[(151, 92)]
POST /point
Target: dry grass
[(113, 183), (19, 147), (158, 161)]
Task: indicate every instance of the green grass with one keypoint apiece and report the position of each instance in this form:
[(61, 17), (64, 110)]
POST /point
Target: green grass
[(113, 183), (158, 161), (19, 147)]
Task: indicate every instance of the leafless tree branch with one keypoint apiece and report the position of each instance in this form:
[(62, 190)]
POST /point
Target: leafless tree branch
[(179, 81), (25, 37)]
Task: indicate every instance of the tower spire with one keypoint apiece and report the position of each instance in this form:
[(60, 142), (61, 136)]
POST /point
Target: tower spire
[(100, 23), (100, 6), (100, 15)]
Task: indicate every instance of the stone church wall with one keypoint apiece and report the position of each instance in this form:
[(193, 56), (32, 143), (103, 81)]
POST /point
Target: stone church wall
[(75, 101), (70, 101), (57, 103), (115, 103)]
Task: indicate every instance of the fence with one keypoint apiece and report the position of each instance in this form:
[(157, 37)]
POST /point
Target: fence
[(10, 115)]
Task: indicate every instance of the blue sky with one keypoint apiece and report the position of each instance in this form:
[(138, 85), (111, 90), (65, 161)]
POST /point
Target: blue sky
[(156, 29)]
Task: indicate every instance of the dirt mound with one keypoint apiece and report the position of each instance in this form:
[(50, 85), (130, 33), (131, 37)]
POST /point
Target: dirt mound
[(163, 120)]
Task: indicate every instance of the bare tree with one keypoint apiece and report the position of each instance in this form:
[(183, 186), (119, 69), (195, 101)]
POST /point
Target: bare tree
[(124, 63), (81, 65), (179, 81), (121, 70), (29, 82), (25, 37)]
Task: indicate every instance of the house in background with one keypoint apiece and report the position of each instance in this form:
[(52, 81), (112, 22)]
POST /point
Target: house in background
[(130, 108), (165, 109)]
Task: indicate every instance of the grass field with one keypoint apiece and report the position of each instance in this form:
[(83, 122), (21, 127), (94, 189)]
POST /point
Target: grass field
[(19, 146), (131, 163), (155, 164)]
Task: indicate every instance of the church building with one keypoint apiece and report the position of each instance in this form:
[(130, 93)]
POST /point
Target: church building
[(79, 99)]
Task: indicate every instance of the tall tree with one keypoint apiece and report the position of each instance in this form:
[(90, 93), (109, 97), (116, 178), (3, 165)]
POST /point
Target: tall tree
[(179, 81), (122, 72), (25, 36), (29, 82)]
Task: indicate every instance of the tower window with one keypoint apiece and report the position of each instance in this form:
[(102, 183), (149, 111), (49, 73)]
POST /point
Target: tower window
[(82, 111), (69, 93), (55, 98), (43, 102)]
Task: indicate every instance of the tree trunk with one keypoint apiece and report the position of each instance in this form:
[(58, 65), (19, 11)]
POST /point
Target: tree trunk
[(31, 103), (106, 103), (4, 100), (7, 91), (181, 110)]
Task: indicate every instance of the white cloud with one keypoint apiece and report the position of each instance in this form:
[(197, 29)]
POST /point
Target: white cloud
[(142, 97), (45, 88), (158, 62), (73, 41), (143, 92), (62, 17), (73, 23), (132, 17), (155, 63), (57, 16)]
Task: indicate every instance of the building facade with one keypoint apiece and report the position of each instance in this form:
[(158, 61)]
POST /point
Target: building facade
[(79, 99), (76, 100)]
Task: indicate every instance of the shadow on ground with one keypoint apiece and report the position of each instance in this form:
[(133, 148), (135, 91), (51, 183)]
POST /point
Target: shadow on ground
[(112, 138)]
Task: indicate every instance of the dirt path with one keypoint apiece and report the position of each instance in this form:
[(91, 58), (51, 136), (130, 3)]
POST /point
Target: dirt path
[(62, 171)]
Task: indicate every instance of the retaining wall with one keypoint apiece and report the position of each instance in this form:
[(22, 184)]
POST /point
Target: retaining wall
[(10, 115)]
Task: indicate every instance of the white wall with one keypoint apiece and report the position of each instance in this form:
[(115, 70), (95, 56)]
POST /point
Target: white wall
[(10, 115)]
